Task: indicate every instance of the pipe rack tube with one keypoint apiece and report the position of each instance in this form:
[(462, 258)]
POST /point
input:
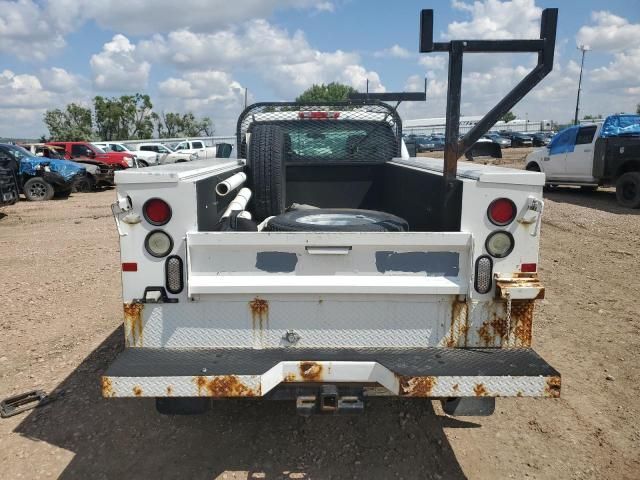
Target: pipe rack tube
[(238, 203), (231, 183)]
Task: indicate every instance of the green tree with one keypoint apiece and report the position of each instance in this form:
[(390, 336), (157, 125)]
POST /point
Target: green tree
[(171, 125), (72, 124), (128, 117), (326, 93), (507, 117)]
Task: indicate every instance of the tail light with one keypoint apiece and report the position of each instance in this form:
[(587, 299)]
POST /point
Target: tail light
[(502, 211), (483, 274), (529, 267), (318, 115), (129, 266), (156, 211), (499, 244), (158, 243), (174, 277)]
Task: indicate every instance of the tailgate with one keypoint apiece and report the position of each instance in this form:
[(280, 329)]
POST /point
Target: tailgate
[(328, 263)]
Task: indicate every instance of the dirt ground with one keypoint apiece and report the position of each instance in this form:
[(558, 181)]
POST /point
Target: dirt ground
[(61, 327)]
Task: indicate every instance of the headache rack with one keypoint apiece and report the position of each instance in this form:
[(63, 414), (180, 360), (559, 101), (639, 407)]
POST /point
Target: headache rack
[(379, 122)]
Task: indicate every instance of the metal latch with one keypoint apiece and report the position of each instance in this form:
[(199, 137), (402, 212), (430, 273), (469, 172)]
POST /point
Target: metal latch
[(532, 215), (120, 206)]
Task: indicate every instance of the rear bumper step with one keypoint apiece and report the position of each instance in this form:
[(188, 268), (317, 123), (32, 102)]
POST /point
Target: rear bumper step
[(424, 372)]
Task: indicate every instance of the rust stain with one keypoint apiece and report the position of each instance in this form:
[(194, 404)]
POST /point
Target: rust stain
[(459, 325), (107, 387), (480, 390), (223, 386), (553, 387), (455, 387), (137, 391), (519, 394), (417, 386), (495, 331), (522, 319), (169, 391), (290, 377), (259, 314), (310, 371), (133, 323)]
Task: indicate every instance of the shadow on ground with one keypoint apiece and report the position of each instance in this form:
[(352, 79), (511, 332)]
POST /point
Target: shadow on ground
[(126, 438), (604, 200)]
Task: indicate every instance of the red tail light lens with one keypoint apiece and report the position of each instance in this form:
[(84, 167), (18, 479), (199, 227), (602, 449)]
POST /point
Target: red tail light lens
[(501, 212), (529, 267), (129, 267), (156, 211)]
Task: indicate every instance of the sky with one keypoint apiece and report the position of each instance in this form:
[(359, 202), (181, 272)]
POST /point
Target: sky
[(200, 55)]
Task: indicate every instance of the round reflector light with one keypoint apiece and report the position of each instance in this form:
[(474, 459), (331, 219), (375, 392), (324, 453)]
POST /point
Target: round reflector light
[(499, 244), (158, 243), (501, 212), (156, 211)]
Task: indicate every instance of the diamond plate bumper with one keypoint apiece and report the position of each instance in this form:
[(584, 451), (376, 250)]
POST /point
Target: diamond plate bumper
[(428, 372)]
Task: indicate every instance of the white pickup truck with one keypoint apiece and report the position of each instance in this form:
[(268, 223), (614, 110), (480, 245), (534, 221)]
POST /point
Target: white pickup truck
[(165, 154), (142, 159), (198, 148), (326, 265), (589, 156)]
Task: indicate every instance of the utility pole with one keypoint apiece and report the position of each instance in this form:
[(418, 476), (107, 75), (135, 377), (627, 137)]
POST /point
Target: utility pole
[(245, 96), (583, 48)]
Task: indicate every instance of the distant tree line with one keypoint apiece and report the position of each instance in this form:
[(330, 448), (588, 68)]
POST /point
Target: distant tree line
[(128, 117)]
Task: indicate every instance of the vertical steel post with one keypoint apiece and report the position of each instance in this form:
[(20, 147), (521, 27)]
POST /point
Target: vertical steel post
[(452, 129)]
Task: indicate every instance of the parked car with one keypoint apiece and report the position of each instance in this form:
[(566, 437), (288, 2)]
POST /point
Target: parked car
[(590, 156), (82, 150), (540, 139), (429, 144), (198, 147), (99, 174), (504, 142), (40, 178), (166, 155), (521, 140), (144, 159)]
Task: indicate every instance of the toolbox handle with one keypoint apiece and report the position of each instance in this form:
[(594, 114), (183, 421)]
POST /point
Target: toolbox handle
[(328, 250)]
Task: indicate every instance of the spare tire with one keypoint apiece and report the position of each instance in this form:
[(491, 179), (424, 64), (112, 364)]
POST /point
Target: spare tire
[(336, 220), (266, 156)]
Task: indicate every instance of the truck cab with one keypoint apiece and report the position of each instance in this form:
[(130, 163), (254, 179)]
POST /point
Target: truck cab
[(79, 150)]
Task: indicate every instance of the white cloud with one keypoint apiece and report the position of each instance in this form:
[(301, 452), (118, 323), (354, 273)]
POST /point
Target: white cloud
[(117, 68), (610, 33), (24, 98), (27, 31), (494, 19), (433, 62), (395, 51), (285, 62), (209, 93)]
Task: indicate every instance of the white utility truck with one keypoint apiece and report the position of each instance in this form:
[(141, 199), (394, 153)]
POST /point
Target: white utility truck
[(325, 264), (592, 156)]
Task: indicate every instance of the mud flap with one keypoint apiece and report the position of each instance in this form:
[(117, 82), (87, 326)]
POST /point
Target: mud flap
[(469, 407)]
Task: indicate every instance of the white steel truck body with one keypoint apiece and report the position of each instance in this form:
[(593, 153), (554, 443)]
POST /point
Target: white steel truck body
[(370, 273)]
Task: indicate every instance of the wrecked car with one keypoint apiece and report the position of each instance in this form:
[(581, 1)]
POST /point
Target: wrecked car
[(99, 174), (41, 178)]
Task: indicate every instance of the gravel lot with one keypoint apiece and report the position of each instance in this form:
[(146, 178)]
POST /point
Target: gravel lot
[(61, 326)]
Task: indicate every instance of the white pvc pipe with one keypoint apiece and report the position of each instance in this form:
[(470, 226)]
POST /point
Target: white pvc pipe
[(231, 183), (238, 203)]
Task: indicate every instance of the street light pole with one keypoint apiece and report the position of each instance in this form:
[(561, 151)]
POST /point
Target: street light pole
[(583, 48)]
